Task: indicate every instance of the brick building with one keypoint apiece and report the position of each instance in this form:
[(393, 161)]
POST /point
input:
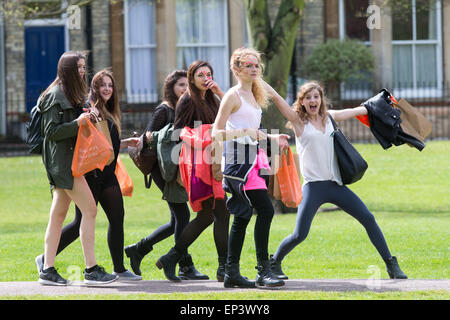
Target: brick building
[(143, 40)]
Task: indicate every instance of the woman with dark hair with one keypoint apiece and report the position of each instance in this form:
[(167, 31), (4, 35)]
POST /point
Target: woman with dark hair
[(175, 85), (198, 106), (103, 100), (61, 107)]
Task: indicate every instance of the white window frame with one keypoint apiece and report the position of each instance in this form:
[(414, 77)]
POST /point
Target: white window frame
[(225, 45), (135, 98), (351, 94), (415, 91)]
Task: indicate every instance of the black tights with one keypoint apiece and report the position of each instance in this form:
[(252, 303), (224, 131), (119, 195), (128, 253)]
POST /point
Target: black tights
[(219, 215), (106, 190), (179, 218), (261, 202)]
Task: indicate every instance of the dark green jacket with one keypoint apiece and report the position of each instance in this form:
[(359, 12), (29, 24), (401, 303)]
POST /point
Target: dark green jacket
[(60, 129), (165, 143)]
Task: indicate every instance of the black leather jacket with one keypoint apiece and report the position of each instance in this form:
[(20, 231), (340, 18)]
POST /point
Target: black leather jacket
[(385, 122)]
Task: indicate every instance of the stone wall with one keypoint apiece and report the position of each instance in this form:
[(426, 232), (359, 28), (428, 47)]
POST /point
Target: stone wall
[(14, 65), (101, 45)]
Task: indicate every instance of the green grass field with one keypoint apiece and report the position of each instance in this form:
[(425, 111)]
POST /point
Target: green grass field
[(406, 190)]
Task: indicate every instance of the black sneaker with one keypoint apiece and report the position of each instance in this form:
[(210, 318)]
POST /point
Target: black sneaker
[(98, 276), (51, 277)]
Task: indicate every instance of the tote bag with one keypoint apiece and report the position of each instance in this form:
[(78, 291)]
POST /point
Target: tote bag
[(125, 181), (92, 150), (288, 180), (351, 164), (102, 126)]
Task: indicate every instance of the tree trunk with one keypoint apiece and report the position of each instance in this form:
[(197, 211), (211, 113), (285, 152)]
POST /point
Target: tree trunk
[(276, 44)]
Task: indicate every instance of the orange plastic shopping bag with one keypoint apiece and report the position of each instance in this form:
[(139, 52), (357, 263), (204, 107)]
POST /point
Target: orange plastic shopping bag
[(125, 181), (92, 150), (289, 181)]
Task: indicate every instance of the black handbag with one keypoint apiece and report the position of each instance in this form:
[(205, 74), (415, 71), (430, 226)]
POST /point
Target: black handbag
[(351, 164), (145, 160)]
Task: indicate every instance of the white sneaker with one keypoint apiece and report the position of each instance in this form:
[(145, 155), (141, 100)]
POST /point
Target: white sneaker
[(39, 263)]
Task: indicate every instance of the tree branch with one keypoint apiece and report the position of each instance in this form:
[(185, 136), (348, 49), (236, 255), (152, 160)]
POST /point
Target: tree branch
[(258, 23)]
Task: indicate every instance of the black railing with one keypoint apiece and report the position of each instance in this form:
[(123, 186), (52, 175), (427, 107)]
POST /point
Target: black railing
[(137, 108)]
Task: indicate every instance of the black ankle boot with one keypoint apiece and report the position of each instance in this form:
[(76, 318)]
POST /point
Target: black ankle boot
[(234, 279), (187, 269), (275, 267), (221, 269), (393, 269), (169, 263), (136, 257), (265, 277)]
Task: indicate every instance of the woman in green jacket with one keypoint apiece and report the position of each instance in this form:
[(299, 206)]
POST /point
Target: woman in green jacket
[(61, 108)]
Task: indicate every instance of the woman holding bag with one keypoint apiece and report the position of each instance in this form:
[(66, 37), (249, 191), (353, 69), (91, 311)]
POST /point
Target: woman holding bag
[(61, 108), (199, 105), (237, 123), (321, 177), (103, 100), (175, 85)]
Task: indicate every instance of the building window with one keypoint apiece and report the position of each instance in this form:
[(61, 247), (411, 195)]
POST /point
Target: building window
[(202, 33), (417, 47), (356, 20), (140, 51), (353, 25)]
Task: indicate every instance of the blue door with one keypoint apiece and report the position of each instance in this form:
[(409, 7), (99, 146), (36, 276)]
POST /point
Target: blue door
[(43, 47)]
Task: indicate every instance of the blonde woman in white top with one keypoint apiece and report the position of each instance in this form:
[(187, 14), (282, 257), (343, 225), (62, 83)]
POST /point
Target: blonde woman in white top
[(322, 181), (238, 124)]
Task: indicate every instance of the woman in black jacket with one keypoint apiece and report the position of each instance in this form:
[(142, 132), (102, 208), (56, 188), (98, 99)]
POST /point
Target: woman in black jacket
[(175, 85)]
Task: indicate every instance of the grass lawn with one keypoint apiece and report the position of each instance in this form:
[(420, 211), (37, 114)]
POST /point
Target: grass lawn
[(406, 190)]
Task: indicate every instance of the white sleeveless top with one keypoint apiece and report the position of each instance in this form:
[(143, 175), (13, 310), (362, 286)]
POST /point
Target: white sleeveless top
[(247, 116), (316, 151)]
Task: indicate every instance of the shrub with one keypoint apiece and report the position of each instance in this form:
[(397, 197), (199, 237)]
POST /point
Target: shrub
[(336, 61)]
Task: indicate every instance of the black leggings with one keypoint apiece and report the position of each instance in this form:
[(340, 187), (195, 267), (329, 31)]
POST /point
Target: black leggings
[(263, 205), (219, 215), (317, 193), (106, 190), (179, 218)]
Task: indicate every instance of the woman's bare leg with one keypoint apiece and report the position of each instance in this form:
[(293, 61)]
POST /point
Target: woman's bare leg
[(58, 212), (82, 196)]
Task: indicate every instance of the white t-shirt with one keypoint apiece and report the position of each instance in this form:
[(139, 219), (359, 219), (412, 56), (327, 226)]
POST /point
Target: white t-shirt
[(316, 151)]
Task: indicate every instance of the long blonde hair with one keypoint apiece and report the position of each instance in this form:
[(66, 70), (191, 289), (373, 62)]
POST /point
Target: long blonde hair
[(237, 60), (302, 92)]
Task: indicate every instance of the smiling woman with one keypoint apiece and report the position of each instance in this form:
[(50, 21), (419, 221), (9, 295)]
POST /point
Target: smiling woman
[(106, 88)]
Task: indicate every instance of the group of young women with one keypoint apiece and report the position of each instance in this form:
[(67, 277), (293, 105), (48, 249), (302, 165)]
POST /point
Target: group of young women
[(204, 117)]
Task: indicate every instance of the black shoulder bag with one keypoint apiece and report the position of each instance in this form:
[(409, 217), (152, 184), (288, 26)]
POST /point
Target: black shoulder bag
[(351, 164)]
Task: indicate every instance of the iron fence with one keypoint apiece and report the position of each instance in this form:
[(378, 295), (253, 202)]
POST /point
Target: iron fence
[(432, 101)]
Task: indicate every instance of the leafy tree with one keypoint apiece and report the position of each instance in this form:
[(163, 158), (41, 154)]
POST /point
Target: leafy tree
[(337, 61), (277, 45)]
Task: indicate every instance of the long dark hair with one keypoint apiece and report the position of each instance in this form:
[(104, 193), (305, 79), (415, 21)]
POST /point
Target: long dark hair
[(192, 107), (68, 78), (109, 109), (170, 81)]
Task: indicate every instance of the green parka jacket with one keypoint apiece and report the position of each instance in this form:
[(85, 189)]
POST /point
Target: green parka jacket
[(60, 129), (165, 142)]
